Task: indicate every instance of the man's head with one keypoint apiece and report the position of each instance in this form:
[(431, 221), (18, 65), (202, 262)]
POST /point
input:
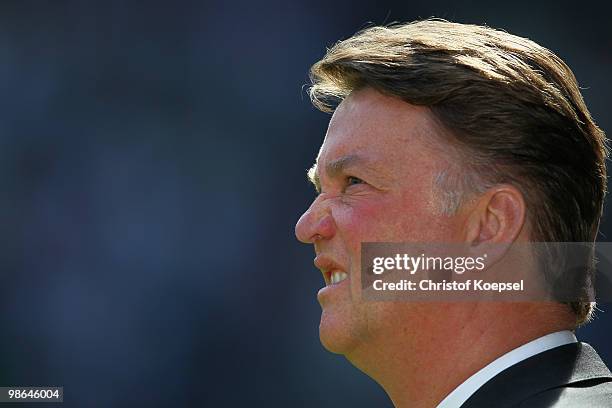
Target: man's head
[(454, 119), (375, 176)]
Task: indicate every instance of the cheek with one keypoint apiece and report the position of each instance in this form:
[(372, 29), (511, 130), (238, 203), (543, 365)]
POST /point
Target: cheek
[(360, 222), (424, 224), (378, 220), (410, 217), (393, 219)]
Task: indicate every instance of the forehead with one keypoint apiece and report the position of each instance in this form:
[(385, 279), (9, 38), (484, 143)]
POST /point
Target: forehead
[(380, 128)]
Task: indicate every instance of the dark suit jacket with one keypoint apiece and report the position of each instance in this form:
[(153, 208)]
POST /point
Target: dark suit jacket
[(570, 376)]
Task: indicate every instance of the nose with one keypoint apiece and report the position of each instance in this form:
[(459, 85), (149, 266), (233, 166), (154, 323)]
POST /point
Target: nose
[(316, 223)]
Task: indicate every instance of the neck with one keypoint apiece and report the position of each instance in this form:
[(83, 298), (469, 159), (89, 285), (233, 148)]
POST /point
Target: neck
[(420, 368)]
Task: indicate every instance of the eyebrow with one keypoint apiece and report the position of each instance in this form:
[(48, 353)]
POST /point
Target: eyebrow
[(333, 168)]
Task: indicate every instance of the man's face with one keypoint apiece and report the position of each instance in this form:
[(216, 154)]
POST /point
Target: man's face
[(376, 170)]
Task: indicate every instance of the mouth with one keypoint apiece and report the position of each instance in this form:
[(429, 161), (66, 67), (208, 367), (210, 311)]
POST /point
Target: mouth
[(334, 277), (333, 272)]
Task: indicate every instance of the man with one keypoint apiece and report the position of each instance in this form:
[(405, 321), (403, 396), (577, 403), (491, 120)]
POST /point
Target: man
[(446, 132)]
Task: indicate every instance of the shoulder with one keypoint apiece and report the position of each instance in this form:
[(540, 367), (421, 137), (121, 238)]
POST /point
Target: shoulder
[(592, 394), (572, 375)]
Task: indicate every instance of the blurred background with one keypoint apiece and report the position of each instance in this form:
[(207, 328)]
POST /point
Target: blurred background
[(153, 161)]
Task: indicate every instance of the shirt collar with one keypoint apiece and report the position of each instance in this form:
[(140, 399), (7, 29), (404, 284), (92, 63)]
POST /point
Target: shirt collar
[(465, 390)]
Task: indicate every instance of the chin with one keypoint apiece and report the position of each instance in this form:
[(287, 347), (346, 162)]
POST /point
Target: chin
[(336, 332)]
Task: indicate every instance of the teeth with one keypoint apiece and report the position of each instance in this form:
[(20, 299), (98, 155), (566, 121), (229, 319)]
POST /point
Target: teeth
[(338, 276)]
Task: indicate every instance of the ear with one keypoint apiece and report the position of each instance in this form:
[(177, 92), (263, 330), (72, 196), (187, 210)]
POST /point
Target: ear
[(497, 217)]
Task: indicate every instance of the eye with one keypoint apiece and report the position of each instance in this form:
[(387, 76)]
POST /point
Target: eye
[(350, 180)]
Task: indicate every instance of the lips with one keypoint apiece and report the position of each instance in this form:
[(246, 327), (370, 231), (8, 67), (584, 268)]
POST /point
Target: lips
[(332, 271)]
